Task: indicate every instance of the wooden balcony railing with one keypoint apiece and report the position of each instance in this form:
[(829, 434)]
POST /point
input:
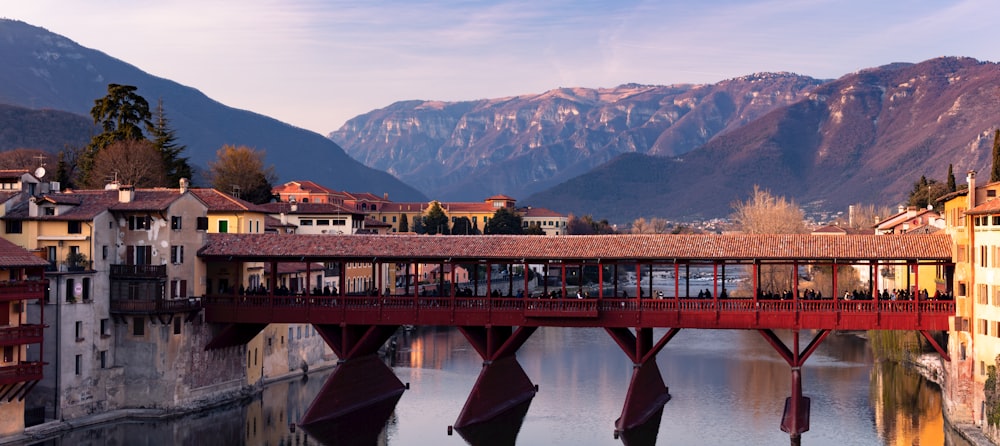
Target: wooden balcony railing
[(138, 271), (21, 335), (22, 290), (22, 372), (155, 306)]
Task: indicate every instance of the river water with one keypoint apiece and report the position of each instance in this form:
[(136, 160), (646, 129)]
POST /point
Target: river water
[(727, 387)]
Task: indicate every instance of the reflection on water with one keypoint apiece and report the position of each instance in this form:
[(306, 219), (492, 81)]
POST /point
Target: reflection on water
[(727, 387)]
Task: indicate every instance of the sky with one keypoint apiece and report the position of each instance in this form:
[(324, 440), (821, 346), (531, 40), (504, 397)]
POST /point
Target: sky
[(317, 63)]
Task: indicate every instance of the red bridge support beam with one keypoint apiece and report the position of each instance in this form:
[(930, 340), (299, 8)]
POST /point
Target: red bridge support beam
[(647, 394), (502, 384), (361, 380), (795, 419)]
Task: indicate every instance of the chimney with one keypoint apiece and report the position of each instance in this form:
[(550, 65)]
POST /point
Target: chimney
[(126, 194), (971, 179), (293, 205), (385, 196), (850, 215), (184, 185)]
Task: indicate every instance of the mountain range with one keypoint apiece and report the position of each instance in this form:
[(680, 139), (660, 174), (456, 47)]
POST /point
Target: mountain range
[(43, 71), (677, 151), (685, 152)]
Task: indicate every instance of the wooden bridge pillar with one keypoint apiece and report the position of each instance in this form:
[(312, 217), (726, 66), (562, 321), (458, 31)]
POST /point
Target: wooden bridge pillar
[(361, 380), (502, 385), (646, 391), (795, 419)]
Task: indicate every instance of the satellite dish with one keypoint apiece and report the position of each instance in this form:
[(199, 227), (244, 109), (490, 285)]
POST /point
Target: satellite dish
[(40, 172)]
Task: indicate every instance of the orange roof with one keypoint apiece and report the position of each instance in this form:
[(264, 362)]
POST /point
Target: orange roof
[(12, 256), (989, 207), (666, 247)]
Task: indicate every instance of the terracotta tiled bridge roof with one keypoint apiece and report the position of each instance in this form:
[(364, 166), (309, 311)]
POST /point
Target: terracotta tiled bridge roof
[(801, 247)]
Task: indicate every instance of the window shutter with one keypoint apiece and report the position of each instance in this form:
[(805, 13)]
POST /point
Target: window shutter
[(184, 288)]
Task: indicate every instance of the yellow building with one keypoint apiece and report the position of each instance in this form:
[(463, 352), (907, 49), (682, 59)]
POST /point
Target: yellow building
[(973, 222)]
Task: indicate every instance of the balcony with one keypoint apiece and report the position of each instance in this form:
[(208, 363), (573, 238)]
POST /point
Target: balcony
[(22, 372), (21, 335), (138, 271), (158, 306), (23, 290)]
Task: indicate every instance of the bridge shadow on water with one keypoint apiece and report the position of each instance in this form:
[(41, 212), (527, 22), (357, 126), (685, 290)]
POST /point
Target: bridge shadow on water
[(644, 434), (499, 431), (358, 428)]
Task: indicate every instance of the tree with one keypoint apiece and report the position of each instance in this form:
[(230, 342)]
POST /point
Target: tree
[(586, 225), (534, 229), (418, 225), (29, 159), (241, 171), (651, 226), (995, 173), (436, 222), (504, 222), (868, 215), (122, 115), (925, 193), (764, 213), (462, 226), (404, 223), (135, 163), (951, 187), (175, 165)]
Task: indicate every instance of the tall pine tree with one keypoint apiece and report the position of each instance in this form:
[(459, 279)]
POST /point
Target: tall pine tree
[(952, 187), (165, 140), (995, 173)]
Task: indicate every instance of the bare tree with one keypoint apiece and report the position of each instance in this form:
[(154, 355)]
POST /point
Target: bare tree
[(651, 226), (133, 162), (868, 215), (29, 159), (764, 213)]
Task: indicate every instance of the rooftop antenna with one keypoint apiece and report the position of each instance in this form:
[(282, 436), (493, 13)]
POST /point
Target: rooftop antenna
[(40, 171)]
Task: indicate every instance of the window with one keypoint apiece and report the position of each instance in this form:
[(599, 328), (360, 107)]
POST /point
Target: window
[(202, 223), (104, 359), (13, 226), (177, 325), (79, 331), (138, 326), (139, 222), (70, 290), (175, 222), (991, 193), (74, 227), (306, 222), (105, 327), (177, 254), (178, 289), (86, 289), (223, 226), (322, 222), (138, 255), (104, 252), (79, 364), (49, 210), (339, 222), (8, 353)]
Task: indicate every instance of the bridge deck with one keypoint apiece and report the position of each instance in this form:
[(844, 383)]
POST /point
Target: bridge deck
[(648, 313)]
